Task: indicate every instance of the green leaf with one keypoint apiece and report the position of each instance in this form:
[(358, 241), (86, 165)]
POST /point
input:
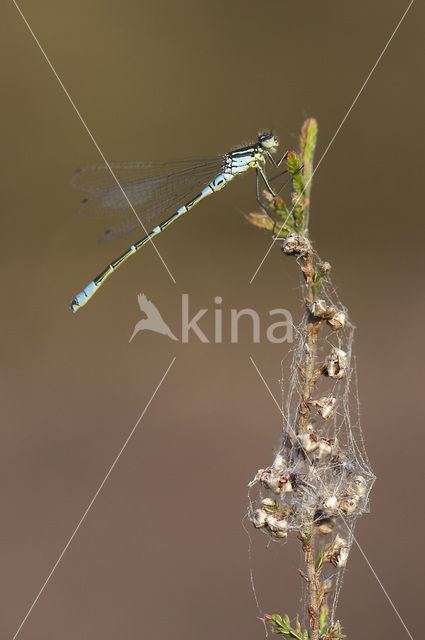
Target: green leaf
[(283, 230), (308, 139), (323, 620), (335, 633), (308, 534), (294, 164), (280, 207), (268, 508), (261, 220), (317, 281), (338, 632), (319, 562), (283, 627)]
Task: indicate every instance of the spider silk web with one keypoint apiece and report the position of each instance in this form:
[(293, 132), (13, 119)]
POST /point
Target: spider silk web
[(322, 475)]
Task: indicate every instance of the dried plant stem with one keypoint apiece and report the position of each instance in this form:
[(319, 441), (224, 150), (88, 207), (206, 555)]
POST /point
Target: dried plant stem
[(309, 376), (313, 586)]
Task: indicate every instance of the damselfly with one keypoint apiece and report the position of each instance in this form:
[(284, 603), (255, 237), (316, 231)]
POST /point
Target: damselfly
[(149, 189)]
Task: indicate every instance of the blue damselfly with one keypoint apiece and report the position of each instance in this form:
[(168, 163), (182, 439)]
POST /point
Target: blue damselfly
[(150, 189)]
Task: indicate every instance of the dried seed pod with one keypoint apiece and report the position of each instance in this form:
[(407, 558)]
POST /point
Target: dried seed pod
[(349, 504), (295, 244), (275, 523), (269, 478), (326, 448), (279, 462), (342, 558), (259, 518), (269, 502), (280, 534), (325, 267), (325, 406), (325, 526), (318, 308), (337, 320), (338, 458), (339, 552), (286, 484), (278, 526), (308, 441), (359, 486), (330, 505), (273, 483), (275, 480), (337, 364)]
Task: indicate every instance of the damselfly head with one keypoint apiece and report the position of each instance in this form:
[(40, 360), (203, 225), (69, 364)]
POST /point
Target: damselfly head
[(268, 141)]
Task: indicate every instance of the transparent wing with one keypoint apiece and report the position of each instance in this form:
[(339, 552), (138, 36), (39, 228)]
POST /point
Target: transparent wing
[(151, 187)]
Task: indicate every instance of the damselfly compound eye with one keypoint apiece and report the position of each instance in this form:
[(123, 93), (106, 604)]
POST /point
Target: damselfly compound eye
[(268, 141)]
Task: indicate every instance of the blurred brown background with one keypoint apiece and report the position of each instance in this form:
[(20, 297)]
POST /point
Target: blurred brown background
[(163, 549)]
